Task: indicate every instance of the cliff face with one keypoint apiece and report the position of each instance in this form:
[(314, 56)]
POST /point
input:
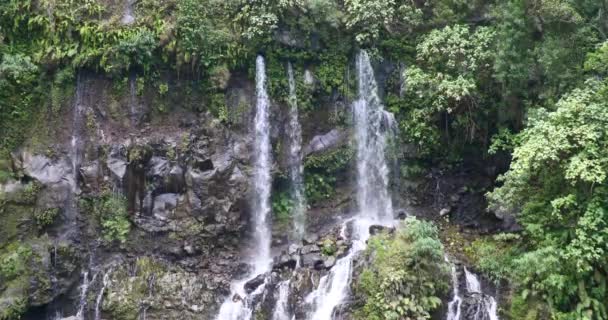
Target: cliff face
[(123, 211)]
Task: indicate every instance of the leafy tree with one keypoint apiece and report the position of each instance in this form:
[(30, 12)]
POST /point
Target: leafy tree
[(406, 275), (557, 186)]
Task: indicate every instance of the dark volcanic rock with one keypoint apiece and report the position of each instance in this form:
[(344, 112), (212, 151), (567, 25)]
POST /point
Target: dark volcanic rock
[(254, 283)]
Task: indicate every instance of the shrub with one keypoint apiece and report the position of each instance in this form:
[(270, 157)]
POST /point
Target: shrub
[(406, 275)]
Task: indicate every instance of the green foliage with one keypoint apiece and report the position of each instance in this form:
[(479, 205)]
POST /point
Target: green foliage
[(557, 185), (407, 274), (14, 262), (112, 213), (114, 219), (205, 37), (321, 172), (282, 205), (329, 247), (45, 217)]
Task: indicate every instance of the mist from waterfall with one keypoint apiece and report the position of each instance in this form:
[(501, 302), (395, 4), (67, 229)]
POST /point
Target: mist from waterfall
[(238, 305), (296, 168), (373, 125)]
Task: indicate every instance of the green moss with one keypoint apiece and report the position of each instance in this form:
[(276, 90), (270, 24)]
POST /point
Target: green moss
[(406, 276), (15, 273), (131, 290), (329, 247), (15, 221), (45, 217), (111, 213)]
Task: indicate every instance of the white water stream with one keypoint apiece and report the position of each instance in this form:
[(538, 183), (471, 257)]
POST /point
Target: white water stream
[(238, 305), (485, 307), (372, 126), (296, 168)]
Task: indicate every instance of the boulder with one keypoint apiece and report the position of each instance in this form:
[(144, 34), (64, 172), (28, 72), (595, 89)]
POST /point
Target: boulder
[(285, 261), (254, 283), (312, 260), (329, 262), (445, 211), (333, 139), (376, 229), (309, 249)]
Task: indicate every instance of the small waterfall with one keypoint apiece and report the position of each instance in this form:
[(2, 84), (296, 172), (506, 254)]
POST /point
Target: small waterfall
[(281, 310), (98, 301), (477, 306), (454, 304), (262, 180), (237, 306), (84, 290), (76, 142), (372, 126), (296, 168), (486, 307), (473, 285)]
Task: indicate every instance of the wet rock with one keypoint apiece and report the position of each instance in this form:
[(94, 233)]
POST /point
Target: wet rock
[(285, 261), (445, 211), (329, 262), (310, 239), (333, 139), (164, 205), (309, 248), (117, 162), (311, 260), (377, 229), (254, 283), (401, 214), (90, 175), (44, 169), (293, 249)]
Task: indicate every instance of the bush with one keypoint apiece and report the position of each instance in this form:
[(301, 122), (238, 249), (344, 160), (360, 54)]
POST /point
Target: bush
[(406, 275), (111, 211), (45, 217)]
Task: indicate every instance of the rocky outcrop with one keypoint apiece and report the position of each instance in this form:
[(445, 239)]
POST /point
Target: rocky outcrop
[(325, 142)]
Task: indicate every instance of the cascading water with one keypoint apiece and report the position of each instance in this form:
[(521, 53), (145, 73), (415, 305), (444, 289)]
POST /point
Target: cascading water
[(481, 306), (104, 284), (372, 126), (296, 169), (454, 304), (237, 306), (486, 307), (281, 309), (84, 290), (76, 142)]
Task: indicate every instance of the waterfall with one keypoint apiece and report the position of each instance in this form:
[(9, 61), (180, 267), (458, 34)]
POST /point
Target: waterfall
[(454, 304), (104, 284), (262, 180), (473, 285), (486, 306), (481, 307), (76, 142), (372, 126), (84, 290), (237, 305), (281, 310), (296, 169)]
